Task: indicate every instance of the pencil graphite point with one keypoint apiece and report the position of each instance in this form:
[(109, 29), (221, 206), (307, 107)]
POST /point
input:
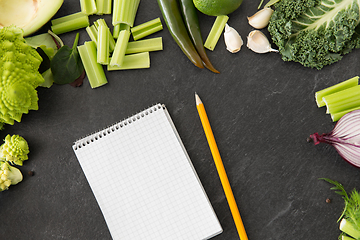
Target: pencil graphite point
[(197, 99)]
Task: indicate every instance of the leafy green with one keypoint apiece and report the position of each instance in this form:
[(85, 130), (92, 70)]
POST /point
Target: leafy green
[(315, 33), (351, 212), (66, 65)]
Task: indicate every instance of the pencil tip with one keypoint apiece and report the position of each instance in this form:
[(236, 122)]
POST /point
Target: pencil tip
[(197, 99)]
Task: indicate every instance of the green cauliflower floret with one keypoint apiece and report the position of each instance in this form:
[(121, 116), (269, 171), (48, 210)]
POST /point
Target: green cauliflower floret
[(19, 75), (15, 150), (9, 175), (315, 33)]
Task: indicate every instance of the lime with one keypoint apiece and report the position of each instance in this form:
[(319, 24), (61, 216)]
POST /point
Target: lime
[(217, 7)]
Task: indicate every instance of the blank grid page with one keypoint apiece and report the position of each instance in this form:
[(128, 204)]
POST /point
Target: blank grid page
[(144, 182)]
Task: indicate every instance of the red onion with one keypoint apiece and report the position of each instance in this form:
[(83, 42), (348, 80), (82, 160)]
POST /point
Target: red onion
[(345, 137)]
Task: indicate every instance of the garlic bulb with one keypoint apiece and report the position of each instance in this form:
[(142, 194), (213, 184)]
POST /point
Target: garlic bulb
[(258, 42), (232, 39), (261, 18)]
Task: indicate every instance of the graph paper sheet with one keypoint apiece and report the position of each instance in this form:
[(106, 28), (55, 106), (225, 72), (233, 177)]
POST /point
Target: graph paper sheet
[(144, 181)]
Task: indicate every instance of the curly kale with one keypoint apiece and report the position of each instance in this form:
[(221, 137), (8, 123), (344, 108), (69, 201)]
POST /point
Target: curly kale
[(315, 33)]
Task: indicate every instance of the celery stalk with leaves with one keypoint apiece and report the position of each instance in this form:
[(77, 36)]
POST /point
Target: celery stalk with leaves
[(350, 217)]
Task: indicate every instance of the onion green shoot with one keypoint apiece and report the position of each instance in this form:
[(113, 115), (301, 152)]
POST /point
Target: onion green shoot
[(133, 61), (120, 48), (94, 70), (88, 7), (215, 32), (146, 29), (336, 88), (147, 45), (103, 6), (103, 45), (70, 23)]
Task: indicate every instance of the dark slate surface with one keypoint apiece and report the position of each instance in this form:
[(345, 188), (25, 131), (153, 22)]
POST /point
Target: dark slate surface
[(261, 110)]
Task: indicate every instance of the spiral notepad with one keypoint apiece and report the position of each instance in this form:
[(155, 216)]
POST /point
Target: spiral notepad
[(144, 181)]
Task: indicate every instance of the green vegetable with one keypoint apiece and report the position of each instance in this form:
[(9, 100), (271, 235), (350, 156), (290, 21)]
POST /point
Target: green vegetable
[(173, 19), (94, 70), (124, 12), (70, 23), (333, 89), (315, 33), (350, 217), (147, 45), (133, 61), (103, 6), (215, 32), (9, 175), (66, 65), (102, 22), (88, 7), (103, 45), (147, 28), (120, 48), (19, 64), (14, 150), (191, 20)]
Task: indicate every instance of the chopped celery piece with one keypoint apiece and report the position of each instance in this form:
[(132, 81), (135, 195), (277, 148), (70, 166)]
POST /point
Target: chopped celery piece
[(124, 11), (133, 61), (348, 228), (69, 23), (343, 105), (120, 48), (88, 7), (342, 95), (103, 45), (343, 237), (215, 32), (94, 71), (336, 116), (111, 39), (146, 29), (92, 32), (148, 45), (335, 88), (119, 27), (103, 7)]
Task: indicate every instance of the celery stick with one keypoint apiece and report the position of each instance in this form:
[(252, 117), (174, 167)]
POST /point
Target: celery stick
[(348, 228), (336, 116), (335, 88), (111, 39), (343, 105), (133, 61), (216, 32), (120, 48), (148, 45), (103, 45), (342, 95), (116, 31), (146, 29), (343, 237), (67, 18), (103, 7), (124, 11), (93, 33), (88, 7), (94, 71), (69, 23)]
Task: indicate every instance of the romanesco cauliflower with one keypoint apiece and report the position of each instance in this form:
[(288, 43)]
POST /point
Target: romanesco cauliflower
[(15, 150), (9, 176), (19, 76)]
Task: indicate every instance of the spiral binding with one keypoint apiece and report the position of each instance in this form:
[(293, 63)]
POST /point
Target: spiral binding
[(84, 141)]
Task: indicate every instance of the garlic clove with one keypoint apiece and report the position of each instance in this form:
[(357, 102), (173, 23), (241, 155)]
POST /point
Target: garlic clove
[(233, 40), (261, 18), (258, 42)]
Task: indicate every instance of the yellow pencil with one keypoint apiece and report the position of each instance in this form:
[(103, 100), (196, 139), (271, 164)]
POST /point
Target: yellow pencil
[(220, 168)]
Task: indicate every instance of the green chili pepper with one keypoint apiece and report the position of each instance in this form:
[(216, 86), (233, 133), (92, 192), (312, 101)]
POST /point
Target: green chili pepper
[(191, 20), (173, 19)]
